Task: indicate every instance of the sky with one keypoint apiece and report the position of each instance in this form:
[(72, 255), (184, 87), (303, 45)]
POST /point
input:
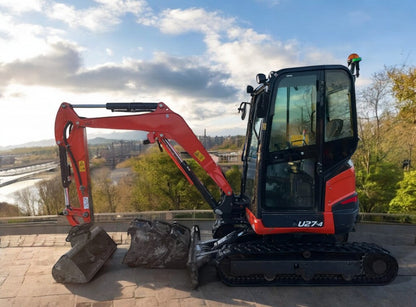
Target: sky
[(195, 56)]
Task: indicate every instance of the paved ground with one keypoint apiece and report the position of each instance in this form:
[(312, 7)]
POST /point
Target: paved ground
[(26, 280)]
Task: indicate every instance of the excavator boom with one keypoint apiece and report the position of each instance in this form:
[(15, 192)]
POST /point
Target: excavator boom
[(162, 125)]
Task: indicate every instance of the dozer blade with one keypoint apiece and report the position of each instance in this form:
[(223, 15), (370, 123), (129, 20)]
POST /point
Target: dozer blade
[(91, 247), (157, 244)]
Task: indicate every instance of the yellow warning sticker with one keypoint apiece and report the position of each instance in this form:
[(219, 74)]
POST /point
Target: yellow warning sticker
[(81, 165), (199, 156)]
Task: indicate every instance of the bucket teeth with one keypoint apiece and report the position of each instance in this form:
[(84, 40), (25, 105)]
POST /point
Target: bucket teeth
[(91, 248)]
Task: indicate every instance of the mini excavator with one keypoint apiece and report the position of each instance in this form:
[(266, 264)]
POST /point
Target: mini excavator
[(298, 202)]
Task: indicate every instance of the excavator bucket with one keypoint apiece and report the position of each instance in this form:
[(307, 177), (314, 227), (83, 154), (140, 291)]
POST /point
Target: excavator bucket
[(91, 248), (157, 244)]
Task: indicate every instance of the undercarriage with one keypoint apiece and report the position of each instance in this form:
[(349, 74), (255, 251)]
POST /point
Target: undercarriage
[(243, 258)]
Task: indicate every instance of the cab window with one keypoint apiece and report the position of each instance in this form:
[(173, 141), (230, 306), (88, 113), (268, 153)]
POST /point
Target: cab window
[(294, 118), (338, 111)]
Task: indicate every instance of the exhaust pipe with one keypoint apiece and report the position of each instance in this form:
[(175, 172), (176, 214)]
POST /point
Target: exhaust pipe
[(91, 248)]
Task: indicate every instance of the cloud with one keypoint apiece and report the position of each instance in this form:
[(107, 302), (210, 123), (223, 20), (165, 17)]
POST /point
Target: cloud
[(204, 110), (205, 88), (177, 21), (242, 52), (22, 6), (50, 69), (233, 56), (62, 67), (99, 17), (22, 40)]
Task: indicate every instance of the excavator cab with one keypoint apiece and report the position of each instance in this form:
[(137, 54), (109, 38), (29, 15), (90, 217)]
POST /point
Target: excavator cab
[(301, 134)]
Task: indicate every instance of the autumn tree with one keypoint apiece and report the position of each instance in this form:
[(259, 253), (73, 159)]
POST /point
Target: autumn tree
[(376, 174), (160, 185), (125, 194), (7, 209), (51, 197), (233, 176), (104, 191), (404, 90)]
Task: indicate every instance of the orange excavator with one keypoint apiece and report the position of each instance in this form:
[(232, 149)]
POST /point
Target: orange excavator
[(298, 203)]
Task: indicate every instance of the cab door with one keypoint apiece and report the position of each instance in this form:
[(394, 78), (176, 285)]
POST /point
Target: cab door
[(293, 159)]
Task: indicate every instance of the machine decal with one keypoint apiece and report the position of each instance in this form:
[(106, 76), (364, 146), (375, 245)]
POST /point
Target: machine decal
[(81, 164), (310, 224), (86, 202), (199, 155)]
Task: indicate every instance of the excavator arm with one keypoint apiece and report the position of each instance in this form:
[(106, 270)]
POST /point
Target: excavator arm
[(162, 125), (91, 245)]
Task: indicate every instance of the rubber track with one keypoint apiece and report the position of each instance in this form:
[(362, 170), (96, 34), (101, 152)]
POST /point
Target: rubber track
[(257, 250)]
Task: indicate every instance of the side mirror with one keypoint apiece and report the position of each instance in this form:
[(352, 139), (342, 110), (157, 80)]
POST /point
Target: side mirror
[(250, 89), (243, 109)]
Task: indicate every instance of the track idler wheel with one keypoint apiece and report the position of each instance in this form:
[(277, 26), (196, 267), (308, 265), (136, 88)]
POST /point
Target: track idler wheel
[(157, 244), (91, 247), (383, 267)]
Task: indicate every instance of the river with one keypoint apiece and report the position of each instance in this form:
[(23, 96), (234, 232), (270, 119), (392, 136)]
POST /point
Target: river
[(8, 193)]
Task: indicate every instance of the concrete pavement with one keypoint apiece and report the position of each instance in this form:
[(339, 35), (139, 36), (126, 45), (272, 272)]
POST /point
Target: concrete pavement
[(26, 262)]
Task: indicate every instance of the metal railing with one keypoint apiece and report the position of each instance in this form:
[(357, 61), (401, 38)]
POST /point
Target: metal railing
[(395, 218), (193, 215), (178, 215)]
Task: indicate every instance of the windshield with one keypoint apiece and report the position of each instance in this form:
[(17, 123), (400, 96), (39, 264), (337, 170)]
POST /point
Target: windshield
[(294, 117)]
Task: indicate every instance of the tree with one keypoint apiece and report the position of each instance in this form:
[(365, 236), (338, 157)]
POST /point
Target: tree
[(378, 186), (104, 191), (405, 200), (375, 101), (51, 197), (233, 176), (376, 175), (125, 194), (158, 182), (404, 89), (9, 210), (374, 106), (26, 198), (160, 185)]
